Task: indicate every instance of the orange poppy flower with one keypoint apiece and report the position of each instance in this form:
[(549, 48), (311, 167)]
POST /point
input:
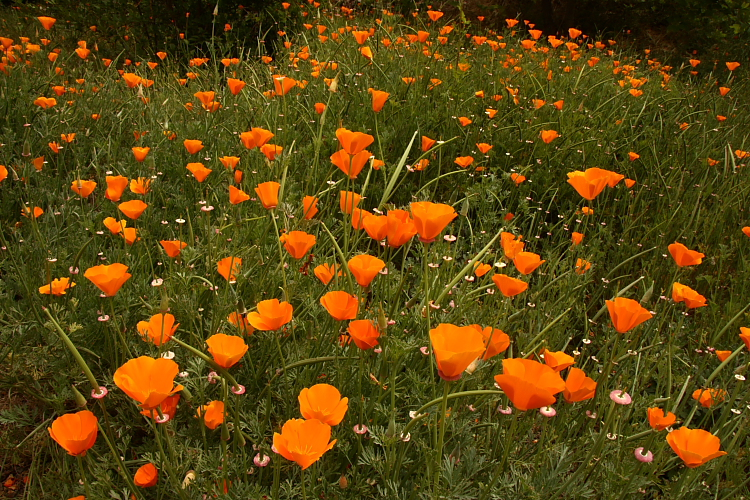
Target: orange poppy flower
[(378, 99), (365, 268), (340, 305), (629, 183), (578, 387), (230, 162), (399, 227), (68, 137), (141, 185), (511, 245), (481, 269), (456, 348), (256, 137), (558, 361), (745, 336), (517, 178), (709, 397), (529, 384), (626, 314), (131, 79), (559, 104), (235, 85), (271, 151), (212, 414), (691, 298), (38, 163), (590, 183), (109, 278), (56, 287), (430, 219), (364, 333), (303, 441), (47, 22), (694, 446), (576, 238), (427, 143), (240, 321), (173, 248), (133, 208), (527, 262), (587, 211), (309, 207), (140, 153), (323, 402), (283, 84), (34, 212), (268, 192), (158, 329), (271, 315), (684, 257), (115, 187), (348, 200), (146, 476), (582, 266), (325, 272), (351, 165), (130, 234), (659, 419), (75, 432), (509, 287), (193, 145), (199, 171), (147, 380), (549, 135), (465, 121), (495, 340), (731, 66), (723, 355), (227, 350), (297, 243), (83, 188), (115, 226), (45, 102), (237, 196), (464, 161), (353, 142), (434, 15), (229, 267)]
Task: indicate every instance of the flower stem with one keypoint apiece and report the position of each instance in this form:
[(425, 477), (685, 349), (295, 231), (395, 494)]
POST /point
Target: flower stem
[(441, 436), (83, 476)]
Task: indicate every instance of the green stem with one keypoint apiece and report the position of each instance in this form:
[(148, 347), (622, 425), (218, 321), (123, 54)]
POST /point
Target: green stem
[(506, 449), (281, 255), (83, 476), (72, 348), (441, 436)]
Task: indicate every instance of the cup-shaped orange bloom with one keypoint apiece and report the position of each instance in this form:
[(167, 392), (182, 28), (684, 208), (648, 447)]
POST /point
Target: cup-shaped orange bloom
[(271, 151), (47, 22), (146, 476), (75, 432), (376, 226), (229, 267), (684, 257), (309, 207), (353, 142), (109, 278), (141, 185), (576, 238), (589, 183), (147, 380), (455, 348), (695, 446), (193, 145), (626, 314), (427, 143), (256, 137), (230, 162), (237, 196), (283, 84), (558, 360), (323, 402), (227, 350), (495, 340), (297, 243), (325, 272), (351, 165), (240, 321), (173, 248), (303, 441), (348, 201), (235, 85), (268, 192), (745, 336), (431, 218), (340, 305), (83, 188), (527, 262), (271, 315), (709, 397), (212, 414), (691, 298), (659, 419), (529, 384), (115, 226), (378, 99), (130, 234), (158, 329), (133, 208), (364, 333), (512, 246), (549, 135), (56, 287), (140, 153), (365, 268), (401, 228), (578, 387), (509, 287), (199, 171), (116, 185)]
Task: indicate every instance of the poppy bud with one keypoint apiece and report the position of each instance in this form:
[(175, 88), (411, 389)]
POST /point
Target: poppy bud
[(80, 400), (382, 321)]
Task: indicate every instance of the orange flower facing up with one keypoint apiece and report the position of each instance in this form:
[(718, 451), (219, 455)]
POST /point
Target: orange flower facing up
[(325, 272), (709, 397), (427, 143), (576, 238), (364, 333), (695, 446), (297, 243), (527, 262), (353, 142), (558, 361), (495, 340), (431, 218), (517, 178), (193, 145), (464, 161), (512, 246), (47, 22), (45, 102), (230, 162), (173, 248), (626, 314), (589, 183), (75, 432), (365, 268), (212, 414), (199, 171), (108, 279), (378, 99), (229, 267), (57, 287), (578, 387), (141, 185), (684, 257), (235, 85), (83, 188), (146, 476), (481, 269), (283, 84), (549, 135), (348, 201), (529, 384), (456, 348), (509, 287), (399, 227), (303, 441), (257, 137), (340, 305), (268, 192), (140, 153), (227, 350), (148, 380), (271, 315), (115, 226), (115, 187), (745, 336), (731, 66), (237, 196), (158, 329), (323, 402), (320, 107), (133, 208), (351, 165), (309, 207), (659, 419), (691, 298), (271, 151)]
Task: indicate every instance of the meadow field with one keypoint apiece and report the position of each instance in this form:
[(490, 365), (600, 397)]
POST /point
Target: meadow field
[(373, 256)]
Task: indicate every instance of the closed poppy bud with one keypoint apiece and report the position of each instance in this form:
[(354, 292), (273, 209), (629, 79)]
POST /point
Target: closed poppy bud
[(364, 333), (309, 207), (237, 196), (365, 268), (56, 287), (348, 201), (158, 329), (430, 219), (495, 340), (626, 314), (691, 298), (529, 384), (455, 349), (108, 279), (130, 234), (325, 272), (237, 176), (133, 208), (193, 145), (694, 446), (323, 402), (378, 98), (271, 315), (173, 248), (527, 262), (146, 476), (578, 387), (268, 192), (684, 257), (148, 380), (115, 187), (340, 305), (353, 142), (229, 267), (297, 243), (509, 287), (75, 432), (227, 350), (83, 188), (558, 361), (659, 419), (303, 441), (212, 414), (140, 153), (199, 171), (576, 238)]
